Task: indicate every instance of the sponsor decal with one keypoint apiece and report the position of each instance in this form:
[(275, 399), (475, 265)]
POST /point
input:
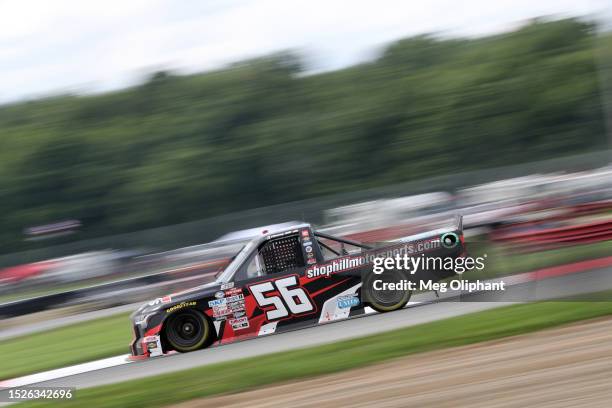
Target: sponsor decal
[(180, 306), (217, 302), (239, 323), (152, 345), (227, 305), (227, 285), (282, 234), (233, 291), (309, 249), (226, 300), (235, 298), (158, 301), (219, 295), (305, 243), (347, 301), (236, 309), (337, 265), (221, 312), (312, 261), (235, 306)]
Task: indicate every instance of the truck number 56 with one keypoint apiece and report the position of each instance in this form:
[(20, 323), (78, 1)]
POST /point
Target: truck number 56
[(291, 299)]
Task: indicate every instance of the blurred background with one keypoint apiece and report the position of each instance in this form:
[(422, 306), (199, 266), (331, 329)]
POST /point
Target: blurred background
[(140, 146)]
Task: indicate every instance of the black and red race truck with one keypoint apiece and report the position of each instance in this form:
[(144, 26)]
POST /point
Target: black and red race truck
[(285, 280)]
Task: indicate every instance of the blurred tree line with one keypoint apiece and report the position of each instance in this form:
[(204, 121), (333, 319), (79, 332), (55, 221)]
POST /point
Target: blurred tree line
[(259, 132)]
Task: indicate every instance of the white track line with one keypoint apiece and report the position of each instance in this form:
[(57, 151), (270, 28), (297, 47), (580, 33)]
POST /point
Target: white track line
[(66, 371)]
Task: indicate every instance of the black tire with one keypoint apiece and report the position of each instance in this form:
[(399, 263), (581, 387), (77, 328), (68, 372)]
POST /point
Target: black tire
[(187, 330), (385, 300)]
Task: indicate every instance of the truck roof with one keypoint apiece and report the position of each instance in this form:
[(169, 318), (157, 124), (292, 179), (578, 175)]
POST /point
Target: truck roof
[(254, 243)]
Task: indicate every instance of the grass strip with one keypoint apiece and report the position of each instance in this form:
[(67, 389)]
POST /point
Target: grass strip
[(77, 343)]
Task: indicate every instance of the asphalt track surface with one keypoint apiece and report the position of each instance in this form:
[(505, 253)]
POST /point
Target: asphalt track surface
[(566, 285)]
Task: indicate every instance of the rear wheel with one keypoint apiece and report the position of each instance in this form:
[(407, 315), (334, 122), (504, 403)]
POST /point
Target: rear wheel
[(187, 330), (385, 300)]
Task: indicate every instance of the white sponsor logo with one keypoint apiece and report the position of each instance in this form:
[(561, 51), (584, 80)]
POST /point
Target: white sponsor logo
[(227, 285), (347, 301), (239, 323), (233, 291), (217, 302), (222, 311), (235, 298), (335, 266)]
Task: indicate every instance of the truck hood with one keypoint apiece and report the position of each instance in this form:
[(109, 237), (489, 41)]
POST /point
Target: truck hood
[(176, 298)]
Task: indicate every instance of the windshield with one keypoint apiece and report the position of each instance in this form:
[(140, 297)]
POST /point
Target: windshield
[(207, 260), (222, 268), (227, 274)]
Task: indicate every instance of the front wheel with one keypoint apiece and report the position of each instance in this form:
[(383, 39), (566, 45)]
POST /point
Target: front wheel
[(187, 330), (385, 300)]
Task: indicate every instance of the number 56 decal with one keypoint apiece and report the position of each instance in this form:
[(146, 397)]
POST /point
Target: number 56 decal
[(293, 299)]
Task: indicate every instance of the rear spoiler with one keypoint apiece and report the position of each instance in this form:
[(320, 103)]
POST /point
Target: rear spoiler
[(459, 222)]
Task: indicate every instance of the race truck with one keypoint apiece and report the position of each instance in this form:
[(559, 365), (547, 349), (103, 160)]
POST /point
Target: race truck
[(289, 279)]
